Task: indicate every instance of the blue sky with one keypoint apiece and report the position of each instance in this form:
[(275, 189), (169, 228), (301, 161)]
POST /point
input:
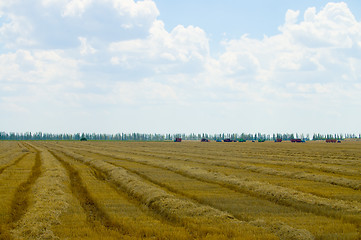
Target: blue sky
[(231, 19), (180, 66)]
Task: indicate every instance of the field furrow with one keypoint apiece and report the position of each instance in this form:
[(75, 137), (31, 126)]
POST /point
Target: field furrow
[(20, 201), (261, 213), (287, 158), (238, 164), (14, 180), (199, 219), (188, 190), (282, 195), (110, 211), (281, 160), (329, 189), (46, 202), (202, 190)]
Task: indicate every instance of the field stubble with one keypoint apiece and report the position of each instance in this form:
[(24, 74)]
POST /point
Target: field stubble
[(188, 190)]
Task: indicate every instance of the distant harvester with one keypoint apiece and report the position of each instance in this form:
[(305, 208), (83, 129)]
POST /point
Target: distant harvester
[(297, 140), (178, 140), (229, 140), (331, 140), (204, 140)]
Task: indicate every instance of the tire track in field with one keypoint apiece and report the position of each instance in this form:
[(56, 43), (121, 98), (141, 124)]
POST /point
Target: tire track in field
[(93, 212), (280, 229), (279, 195), (20, 201)]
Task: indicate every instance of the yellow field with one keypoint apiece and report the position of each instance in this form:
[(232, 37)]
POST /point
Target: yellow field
[(187, 190)]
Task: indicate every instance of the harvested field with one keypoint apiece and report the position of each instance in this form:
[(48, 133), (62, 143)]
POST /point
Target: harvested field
[(187, 190)]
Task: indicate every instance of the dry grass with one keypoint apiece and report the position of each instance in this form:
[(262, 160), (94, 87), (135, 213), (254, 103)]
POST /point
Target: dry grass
[(202, 221), (278, 193), (48, 201), (188, 190), (109, 211), (13, 181), (343, 214), (238, 204), (254, 165)]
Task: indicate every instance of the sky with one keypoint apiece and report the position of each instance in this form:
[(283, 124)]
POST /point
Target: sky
[(205, 66)]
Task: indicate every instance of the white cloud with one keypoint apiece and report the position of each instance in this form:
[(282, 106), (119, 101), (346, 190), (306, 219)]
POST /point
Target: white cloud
[(334, 26), (15, 31), (141, 9), (85, 48), (58, 24), (291, 17), (81, 55), (76, 7), (163, 51)]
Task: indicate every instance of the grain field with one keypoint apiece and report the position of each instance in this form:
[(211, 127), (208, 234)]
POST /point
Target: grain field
[(187, 190)]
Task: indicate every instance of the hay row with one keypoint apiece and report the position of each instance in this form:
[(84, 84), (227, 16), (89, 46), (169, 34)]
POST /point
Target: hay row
[(278, 194), (266, 190), (245, 151), (302, 164), (15, 183), (297, 163), (119, 214), (282, 230), (340, 181), (274, 158), (20, 201), (49, 200), (91, 209), (188, 213)]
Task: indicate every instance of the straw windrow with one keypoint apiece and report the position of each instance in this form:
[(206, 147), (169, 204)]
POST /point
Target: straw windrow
[(177, 209), (49, 200)]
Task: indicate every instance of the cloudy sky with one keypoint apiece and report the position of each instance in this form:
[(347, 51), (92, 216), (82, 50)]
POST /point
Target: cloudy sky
[(163, 66)]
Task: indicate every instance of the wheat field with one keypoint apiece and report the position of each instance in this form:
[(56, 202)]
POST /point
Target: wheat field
[(186, 190)]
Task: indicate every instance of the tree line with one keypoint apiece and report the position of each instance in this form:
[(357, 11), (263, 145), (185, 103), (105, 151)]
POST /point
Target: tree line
[(168, 137)]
